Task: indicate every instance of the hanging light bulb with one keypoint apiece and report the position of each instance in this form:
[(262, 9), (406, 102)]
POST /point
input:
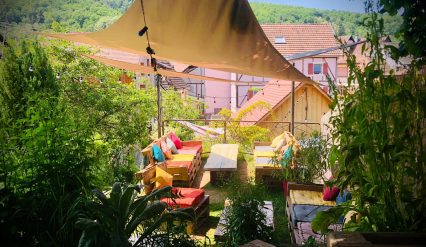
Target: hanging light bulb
[(214, 100), (31, 68), (143, 31), (58, 76), (81, 79)]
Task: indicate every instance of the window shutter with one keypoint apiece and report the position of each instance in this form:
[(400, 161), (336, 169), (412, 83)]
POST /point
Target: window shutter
[(310, 68), (249, 94), (325, 68)]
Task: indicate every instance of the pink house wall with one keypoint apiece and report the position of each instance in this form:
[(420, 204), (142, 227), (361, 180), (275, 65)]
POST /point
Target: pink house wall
[(218, 90)]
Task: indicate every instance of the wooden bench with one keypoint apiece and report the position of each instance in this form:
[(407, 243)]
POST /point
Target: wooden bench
[(222, 162), (202, 208), (305, 197)]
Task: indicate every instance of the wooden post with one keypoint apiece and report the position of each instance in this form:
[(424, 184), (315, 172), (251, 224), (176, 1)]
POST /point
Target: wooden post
[(158, 81), (224, 131), (292, 107)]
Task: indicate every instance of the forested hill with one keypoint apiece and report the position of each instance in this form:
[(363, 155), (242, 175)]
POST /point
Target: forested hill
[(344, 22), (90, 15)]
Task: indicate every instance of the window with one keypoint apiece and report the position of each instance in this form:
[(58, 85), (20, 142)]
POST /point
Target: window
[(317, 68), (279, 40)]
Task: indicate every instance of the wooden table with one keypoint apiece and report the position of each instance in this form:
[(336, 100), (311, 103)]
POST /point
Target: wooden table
[(268, 210), (222, 161)]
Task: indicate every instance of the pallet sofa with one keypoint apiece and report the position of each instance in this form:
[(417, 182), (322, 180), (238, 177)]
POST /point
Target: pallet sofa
[(303, 202), (155, 176), (183, 165)]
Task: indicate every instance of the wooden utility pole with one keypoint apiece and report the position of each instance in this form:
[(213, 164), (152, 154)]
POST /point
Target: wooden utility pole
[(158, 81), (292, 107)]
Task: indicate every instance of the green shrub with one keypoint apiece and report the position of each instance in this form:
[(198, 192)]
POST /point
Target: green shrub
[(245, 219)]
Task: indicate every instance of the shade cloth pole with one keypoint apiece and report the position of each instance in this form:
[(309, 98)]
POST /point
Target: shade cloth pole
[(157, 83), (292, 107)]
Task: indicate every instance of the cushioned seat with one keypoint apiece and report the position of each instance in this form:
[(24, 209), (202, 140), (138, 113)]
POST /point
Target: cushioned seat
[(182, 157), (304, 231), (192, 152), (175, 164), (309, 197), (258, 153), (305, 213), (188, 197), (263, 148), (263, 161), (194, 147)]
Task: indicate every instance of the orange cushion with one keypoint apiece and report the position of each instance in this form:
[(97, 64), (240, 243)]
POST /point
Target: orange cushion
[(188, 197), (171, 163)]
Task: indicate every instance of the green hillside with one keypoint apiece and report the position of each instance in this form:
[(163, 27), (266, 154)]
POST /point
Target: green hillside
[(344, 23), (90, 15)]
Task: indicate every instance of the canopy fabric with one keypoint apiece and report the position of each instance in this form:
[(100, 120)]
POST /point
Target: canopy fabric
[(219, 34), (150, 70)]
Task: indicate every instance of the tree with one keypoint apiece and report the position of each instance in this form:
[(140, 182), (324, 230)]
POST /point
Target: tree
[(378, 149), (412, 31)]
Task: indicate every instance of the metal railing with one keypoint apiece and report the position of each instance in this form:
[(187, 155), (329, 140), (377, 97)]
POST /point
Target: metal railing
[(299, 127)]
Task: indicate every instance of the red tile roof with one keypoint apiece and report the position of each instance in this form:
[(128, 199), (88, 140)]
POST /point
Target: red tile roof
[(302, 38), (273, 93)]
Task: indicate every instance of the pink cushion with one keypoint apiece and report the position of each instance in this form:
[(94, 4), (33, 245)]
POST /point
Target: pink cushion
[(188, 197), (188, 151), (196, 148), (330, 194), (166, 150), (175, 139)]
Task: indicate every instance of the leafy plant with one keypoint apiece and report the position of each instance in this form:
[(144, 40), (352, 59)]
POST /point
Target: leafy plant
[(115, 220), (311, 161), (379, 141), (239, 133), (245, 219)]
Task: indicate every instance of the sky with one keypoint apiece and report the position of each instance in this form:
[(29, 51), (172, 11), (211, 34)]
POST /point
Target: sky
[(346, 5)]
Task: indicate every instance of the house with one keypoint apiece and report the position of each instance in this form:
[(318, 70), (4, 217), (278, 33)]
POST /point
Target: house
[(311, 103), (289, 40), (363, 58)]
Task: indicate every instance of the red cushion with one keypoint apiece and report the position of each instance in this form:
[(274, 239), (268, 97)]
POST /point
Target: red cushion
[(188, 197), (175, 139), (330, 194)]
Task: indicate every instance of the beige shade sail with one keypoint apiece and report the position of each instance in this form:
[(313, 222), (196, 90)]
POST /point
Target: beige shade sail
[(150, 70), (215, 34)]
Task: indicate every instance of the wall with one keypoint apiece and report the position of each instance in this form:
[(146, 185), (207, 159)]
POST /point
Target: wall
[(321, 78), (218, 90), (310, 106)]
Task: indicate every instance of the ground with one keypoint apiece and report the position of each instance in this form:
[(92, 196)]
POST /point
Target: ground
[(281, 236)]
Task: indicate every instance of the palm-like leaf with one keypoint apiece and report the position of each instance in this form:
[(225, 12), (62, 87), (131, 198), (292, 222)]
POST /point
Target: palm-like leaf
[(120, 215)]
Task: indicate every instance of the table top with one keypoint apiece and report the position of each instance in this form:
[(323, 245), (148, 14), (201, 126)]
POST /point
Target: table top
[(223, 157)]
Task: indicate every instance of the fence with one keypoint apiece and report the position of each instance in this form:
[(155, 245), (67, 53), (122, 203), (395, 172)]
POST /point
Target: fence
[(275, 127)]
